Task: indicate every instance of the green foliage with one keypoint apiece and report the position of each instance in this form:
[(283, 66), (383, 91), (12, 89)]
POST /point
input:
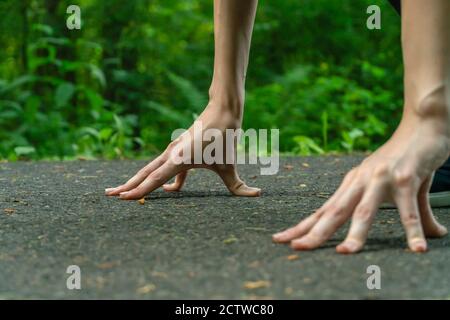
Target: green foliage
[(137, 70)]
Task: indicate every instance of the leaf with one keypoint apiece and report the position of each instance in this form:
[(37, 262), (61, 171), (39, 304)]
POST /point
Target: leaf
[(56, 41), (95, 100), (324, 118), (9, 210), (64, 93), (98, 74), (350, 138), (105, 133), (306, 146), (355, 133), (23, 151), (119, 123), (89, 131), (44, 28), (17, 82), (175, 116)]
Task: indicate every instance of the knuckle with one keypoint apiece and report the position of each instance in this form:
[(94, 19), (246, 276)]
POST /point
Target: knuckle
[(136, 193), (172, 160), (411, 219), (177, 157), (381, 171), (157, 177), (363, 212), (237, 185), (172, 144), (403, 178)]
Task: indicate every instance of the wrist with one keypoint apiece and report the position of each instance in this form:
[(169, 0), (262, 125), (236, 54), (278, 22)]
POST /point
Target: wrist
[(228, 98), (433, 108)]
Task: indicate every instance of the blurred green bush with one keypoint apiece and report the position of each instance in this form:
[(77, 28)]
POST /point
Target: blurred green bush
[(137, 70)]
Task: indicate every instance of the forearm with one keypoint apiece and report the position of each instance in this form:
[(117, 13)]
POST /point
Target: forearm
[(233, 25), (426, 55)]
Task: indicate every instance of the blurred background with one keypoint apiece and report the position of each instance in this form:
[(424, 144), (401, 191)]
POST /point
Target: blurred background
[(139, 69)]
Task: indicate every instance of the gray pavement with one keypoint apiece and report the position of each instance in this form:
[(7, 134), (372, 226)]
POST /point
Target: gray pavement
[(200, 243)]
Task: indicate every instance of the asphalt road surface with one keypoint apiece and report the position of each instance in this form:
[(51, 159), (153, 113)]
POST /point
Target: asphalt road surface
[(200, 243)]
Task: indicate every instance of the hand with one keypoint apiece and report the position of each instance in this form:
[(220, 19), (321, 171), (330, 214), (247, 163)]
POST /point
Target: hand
[(165, 167), (400, 171)]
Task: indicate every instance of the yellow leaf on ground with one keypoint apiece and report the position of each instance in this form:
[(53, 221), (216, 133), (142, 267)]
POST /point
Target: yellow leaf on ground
[(293, 257), (230, 240), (146, 289), (256, 284)]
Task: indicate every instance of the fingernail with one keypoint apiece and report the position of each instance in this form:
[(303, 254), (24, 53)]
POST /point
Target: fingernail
[(122, 194), (419, 246), (108, 190)]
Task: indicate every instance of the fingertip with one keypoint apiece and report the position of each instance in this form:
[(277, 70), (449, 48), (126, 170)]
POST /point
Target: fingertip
[(418, 246), (278, 237), (247, 191), (114, 191), (253, 192), (108, 190), (443, 230), (343, 249)]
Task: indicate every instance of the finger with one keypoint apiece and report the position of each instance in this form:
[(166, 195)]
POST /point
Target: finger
[(299, 230), (431, 227), (350, 177), (306, 224), (362, 218), (137, 179), (235, 184), (156, 179), (407, 204), (178, 184), (334, 217)]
